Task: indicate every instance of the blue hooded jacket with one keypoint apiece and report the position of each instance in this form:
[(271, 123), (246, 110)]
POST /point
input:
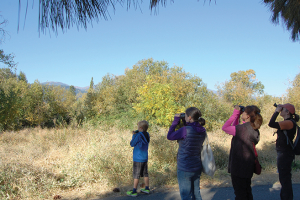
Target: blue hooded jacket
[(140, 144)]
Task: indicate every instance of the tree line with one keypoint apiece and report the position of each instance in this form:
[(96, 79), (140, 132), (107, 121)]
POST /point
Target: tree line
[(150, 90)]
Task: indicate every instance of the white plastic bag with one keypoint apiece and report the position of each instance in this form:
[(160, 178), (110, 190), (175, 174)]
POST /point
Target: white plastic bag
[(207, 158)]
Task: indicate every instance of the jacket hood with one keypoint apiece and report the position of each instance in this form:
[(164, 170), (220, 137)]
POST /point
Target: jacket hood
[(143, 138)]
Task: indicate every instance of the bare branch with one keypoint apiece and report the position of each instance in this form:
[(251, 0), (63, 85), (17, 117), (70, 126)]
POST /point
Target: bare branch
[(3, 33)]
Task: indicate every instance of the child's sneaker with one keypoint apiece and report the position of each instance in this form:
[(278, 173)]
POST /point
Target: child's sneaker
[(130, 193), (145, 191)]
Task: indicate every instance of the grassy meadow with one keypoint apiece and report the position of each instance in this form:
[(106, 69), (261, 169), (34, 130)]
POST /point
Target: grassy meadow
[(89, 162)]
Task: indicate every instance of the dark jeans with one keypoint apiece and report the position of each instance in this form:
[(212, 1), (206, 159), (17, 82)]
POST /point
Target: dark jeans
[(189, 185), (242, 188), (284, 165)]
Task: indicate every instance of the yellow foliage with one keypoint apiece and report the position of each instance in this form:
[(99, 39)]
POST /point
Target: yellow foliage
[(157, 101), (241, 88)]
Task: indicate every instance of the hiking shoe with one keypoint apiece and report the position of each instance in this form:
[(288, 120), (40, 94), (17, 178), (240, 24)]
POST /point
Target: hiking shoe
[(130, 193), (145, 191)]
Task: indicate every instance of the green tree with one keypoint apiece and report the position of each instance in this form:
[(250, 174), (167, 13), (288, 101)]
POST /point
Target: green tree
[(105, 96), (89, 102), (74, 107), (78, 111), (116, 94), (121, 97), (59, 102), (36, 107), (265, 104), (242, 88), (10, 88), (156, 101), (12, 93), (22, 77), (72, 90), (214, 109), (92, 84), (7, 59), (6, 73), (293, 92), (48, 105)]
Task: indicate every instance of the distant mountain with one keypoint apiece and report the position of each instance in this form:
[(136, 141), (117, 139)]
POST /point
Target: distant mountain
[(78, 89), (84, 89)]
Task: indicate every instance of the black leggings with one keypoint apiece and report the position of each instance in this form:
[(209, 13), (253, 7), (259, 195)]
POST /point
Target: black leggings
[(242, 188), (284, 165)]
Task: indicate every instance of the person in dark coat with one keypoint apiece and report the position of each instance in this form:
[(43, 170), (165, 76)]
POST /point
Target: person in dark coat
[(190, 138), (242, 156), (285, 154)]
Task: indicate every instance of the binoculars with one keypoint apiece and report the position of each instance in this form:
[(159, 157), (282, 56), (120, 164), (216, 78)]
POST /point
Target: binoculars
[(242, 108), (182, 115)]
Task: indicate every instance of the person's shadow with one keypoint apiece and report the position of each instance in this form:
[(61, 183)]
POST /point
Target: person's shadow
[(260, 192)]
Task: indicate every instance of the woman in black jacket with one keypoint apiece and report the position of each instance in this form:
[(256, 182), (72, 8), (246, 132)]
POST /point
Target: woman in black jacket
[(286, 131)]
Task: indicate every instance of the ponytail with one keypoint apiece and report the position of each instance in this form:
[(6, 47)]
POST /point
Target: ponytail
[(201, 121), (296, 117), (196, 114), (256, 119)]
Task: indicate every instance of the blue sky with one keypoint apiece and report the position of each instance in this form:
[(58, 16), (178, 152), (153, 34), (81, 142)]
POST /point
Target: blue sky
[(206, 39)]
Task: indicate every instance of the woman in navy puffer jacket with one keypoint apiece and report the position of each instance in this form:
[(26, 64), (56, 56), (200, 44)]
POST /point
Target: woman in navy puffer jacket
[(190, 138)]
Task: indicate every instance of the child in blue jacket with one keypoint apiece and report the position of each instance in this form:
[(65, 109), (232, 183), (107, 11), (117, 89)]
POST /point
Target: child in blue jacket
[(140, 142)]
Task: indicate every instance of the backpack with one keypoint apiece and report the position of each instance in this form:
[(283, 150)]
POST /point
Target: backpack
[(296, 145)]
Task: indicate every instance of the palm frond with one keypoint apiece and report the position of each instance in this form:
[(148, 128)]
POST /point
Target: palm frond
[(289, 12), (63, 14)]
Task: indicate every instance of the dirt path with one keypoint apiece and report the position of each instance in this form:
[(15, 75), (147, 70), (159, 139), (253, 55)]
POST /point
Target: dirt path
[(260, 192), (265, 178), (220, 181)]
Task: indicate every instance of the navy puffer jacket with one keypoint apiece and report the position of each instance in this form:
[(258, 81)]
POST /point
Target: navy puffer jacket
[(189, 151)]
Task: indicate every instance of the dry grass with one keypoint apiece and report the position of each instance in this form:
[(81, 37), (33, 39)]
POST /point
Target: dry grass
[(88, 162)]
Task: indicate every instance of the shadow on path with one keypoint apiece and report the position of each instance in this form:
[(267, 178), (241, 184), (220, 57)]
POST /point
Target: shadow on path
[(260, 192)]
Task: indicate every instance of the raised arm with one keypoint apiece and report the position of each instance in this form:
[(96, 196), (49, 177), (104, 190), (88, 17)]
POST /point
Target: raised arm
[(135, 139), (283, 125), (272, 122), (176, 135), (229, 126)]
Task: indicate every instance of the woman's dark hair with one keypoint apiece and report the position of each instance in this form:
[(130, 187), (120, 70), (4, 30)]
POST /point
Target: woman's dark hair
[(295, 117), (195, 114), (256, 119)]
